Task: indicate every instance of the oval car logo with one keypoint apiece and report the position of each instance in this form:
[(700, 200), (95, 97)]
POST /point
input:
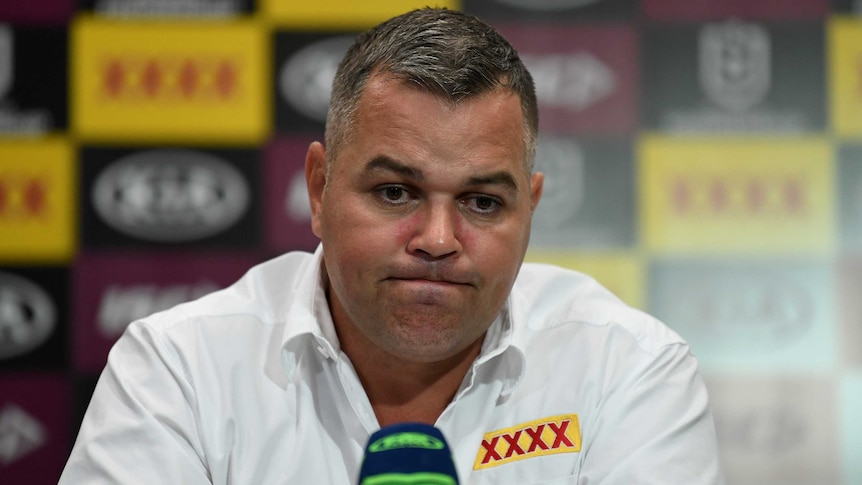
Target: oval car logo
[(745, 309), (170, 195), (27, 316), (306, 77)]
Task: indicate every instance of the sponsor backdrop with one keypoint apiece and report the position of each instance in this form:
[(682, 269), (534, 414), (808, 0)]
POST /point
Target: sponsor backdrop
[(703, 161)]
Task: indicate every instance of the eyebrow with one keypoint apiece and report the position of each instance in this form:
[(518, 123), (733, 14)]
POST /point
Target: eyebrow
[(502, 178), (382, 162)]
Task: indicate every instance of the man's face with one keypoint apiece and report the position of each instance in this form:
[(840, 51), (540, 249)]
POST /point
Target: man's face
[(424, 218)]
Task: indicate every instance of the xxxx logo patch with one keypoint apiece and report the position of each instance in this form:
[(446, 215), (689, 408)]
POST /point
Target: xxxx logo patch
[(546, 436)]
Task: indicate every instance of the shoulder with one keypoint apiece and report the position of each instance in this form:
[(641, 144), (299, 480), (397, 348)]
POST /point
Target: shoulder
[(554, 300)]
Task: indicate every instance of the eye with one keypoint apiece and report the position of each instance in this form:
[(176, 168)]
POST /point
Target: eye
[(485, 203), (482, 204), (393, 194)]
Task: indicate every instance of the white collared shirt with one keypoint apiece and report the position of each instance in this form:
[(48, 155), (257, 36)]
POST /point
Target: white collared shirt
[(248, 386)]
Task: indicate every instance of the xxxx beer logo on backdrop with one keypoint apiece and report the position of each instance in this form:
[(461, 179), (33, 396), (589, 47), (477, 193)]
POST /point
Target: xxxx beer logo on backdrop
[(187, 81), (37, 200), (345, 14), (737, 195), (845, 64)]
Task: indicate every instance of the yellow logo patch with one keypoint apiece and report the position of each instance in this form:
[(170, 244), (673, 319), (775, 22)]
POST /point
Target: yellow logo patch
[(546, 436)]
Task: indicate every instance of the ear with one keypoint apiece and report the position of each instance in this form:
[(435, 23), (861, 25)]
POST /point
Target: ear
[(537, 182), (315, 181)]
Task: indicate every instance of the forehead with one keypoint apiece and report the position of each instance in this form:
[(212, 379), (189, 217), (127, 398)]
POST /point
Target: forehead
[(405, 122)]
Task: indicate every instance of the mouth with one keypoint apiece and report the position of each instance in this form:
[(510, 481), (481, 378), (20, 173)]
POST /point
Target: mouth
[(430, 275), (428, 281)]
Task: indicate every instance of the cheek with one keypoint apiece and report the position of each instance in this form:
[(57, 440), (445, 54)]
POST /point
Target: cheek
[(466, 232), (403, 229)]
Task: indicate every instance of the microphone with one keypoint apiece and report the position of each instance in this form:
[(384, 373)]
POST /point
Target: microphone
[(408, 454)]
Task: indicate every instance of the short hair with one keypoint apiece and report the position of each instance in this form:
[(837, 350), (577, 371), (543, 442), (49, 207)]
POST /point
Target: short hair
[(448, 53)]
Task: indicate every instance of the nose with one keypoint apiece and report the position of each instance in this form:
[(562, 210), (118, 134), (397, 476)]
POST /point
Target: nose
[(436, 234)]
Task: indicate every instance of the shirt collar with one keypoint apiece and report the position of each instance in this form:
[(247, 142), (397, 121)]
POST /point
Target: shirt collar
[(307, 317), (502, 342)]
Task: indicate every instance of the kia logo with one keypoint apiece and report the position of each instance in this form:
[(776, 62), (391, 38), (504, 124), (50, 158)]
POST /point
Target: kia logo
[(765, 307), (27, 316), (170, 195), (306, 77)]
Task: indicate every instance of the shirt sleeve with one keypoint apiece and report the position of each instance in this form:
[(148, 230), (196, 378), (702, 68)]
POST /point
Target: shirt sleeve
[(140, 427), (655, 428)]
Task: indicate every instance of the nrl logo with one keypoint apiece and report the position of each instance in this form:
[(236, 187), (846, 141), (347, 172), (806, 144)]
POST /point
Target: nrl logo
[(735, 64)]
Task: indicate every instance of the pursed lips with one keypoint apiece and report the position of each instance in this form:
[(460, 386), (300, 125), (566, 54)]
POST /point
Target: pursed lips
[(429, 279)]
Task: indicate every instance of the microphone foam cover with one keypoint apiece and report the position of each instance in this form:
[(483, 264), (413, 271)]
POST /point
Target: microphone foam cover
[(408, 454)]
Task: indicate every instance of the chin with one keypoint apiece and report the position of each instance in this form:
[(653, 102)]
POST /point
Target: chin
[(434, 348)]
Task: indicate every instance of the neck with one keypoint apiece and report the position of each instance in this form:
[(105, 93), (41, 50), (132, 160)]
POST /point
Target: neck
[(401, 391)]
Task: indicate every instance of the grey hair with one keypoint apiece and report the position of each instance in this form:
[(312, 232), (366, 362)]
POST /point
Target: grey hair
[(448, 53)]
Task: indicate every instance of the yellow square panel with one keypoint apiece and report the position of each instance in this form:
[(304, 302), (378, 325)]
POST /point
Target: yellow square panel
[(341, 14), (621, 273), (37, 201), (736, 195), (201, 81), (845, 76)]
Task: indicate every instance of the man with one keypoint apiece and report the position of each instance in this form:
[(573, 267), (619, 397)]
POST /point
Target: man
[(414, 308)]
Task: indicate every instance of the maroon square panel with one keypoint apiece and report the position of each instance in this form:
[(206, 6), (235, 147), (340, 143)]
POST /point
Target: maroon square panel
[(287, 215), (34, 428), (586, 75), (36, 12), (112, 290)]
